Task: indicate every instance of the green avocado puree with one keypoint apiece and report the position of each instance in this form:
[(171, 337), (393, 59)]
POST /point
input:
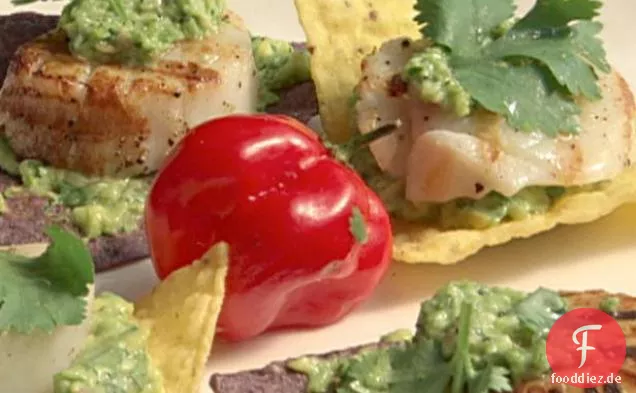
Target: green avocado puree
[(369, 368), (135, 31), (397, 336), (464, 213), (431, 75), (279, 65), (508, 328), (114, 358), (99, 206)]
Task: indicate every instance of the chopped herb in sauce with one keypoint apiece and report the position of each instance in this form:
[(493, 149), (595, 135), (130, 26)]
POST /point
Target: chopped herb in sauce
[(470, 338)]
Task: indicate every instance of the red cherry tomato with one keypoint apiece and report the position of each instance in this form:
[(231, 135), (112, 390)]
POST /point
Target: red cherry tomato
[(308, 239)]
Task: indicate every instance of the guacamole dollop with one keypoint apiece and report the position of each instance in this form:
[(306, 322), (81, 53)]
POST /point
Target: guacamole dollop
[(114, 358), (134, 31), (279, 65), (99, 205), (430, 73), (507, 328)]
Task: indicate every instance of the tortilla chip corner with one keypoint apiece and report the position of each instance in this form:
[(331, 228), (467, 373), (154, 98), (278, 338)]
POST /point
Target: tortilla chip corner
[(418, 244), (181, 314), (340, 33)]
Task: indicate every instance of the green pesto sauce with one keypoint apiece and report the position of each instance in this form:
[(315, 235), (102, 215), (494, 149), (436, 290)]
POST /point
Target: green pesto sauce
[(114, 358), (508, 328), (464, 213), (279, 65), (99, 206), (135, 31), (431, 75)]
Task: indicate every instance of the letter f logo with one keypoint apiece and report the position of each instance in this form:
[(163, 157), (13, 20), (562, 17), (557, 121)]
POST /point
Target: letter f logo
[(584, 347)]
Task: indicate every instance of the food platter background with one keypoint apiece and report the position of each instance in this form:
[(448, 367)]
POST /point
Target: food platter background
[(597, 255)]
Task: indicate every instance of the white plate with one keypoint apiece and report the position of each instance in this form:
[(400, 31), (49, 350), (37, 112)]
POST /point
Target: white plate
[(598, 255)]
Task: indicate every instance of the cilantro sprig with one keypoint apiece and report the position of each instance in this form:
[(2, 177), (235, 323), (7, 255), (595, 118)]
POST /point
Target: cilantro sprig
[(448, 357), (47, 291), (532, 71), (421, 364), (539, 310)]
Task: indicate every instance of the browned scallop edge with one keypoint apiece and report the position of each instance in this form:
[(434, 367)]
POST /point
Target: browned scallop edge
[(27, 217)]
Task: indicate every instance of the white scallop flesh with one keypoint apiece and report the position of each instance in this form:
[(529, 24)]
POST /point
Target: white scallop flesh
[(442, 157)]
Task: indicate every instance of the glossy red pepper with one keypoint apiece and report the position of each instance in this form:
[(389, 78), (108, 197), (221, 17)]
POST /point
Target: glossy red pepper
[(308, 239)]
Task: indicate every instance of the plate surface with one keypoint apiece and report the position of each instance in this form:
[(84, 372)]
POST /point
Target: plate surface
[(597, 255)]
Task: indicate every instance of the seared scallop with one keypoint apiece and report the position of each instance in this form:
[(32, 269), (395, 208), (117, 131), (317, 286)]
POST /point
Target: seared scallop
[(442, 157), (121, 121)]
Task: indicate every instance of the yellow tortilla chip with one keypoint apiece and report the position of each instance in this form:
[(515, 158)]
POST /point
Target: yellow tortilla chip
[(181, 313), (340, 33), (417, 244)]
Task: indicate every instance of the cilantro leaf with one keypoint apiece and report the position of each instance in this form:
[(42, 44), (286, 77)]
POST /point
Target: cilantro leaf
[(496, 88), (490, 379), (419, 364), (553, 52), (499, 380), (556, 13), (588, 45), (368, 372), (481, 382), (65, 263), (539, 310), (562, 51), (47, 291), (462, 25), (358, 226)]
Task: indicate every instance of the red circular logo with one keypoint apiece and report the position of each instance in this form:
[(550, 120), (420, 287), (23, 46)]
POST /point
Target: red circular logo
[(586, 348)]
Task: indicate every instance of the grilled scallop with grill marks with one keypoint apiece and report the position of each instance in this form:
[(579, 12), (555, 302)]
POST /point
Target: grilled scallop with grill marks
[(441, 157), (112, 120)]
